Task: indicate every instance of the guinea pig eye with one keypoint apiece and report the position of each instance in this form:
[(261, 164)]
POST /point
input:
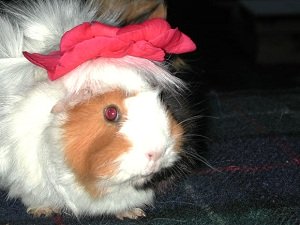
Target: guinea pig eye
[(111, 113)]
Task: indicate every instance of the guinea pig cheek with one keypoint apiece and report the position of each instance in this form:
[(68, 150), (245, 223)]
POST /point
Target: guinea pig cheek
[(177, 134), (151, 152), (93, 143)]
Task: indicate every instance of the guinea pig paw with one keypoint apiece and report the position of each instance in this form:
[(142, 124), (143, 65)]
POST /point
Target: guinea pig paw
[(131, 214), (42, 212)]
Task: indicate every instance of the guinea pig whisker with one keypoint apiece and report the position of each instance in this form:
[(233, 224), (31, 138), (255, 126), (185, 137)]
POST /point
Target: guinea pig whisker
[(181, 171), (193, 136), (201, 159), (192, 119)]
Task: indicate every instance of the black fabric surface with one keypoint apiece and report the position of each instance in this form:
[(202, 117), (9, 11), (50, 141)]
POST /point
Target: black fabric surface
[(255, 179)]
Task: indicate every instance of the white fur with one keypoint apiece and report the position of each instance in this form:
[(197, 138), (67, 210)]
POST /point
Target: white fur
[(32, 164), (135, 71)]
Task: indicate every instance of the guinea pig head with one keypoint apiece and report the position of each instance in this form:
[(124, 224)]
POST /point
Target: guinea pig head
[(116, 137)]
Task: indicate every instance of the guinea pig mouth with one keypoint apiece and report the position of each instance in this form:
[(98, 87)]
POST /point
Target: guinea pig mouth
[(158, 180)]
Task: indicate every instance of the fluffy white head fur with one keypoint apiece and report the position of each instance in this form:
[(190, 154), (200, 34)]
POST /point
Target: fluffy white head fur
[(137, 74)]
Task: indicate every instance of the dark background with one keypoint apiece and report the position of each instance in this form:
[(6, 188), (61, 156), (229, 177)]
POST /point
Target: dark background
[(229, 43)]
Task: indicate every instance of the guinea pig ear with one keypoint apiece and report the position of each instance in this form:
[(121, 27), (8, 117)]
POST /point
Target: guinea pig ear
[(72, 100), (58, 107)]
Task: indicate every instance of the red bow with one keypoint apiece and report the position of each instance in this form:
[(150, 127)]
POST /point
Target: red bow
[(150, 40)]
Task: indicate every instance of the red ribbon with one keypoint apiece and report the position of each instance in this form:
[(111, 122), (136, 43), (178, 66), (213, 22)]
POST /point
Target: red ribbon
[(151, 40)]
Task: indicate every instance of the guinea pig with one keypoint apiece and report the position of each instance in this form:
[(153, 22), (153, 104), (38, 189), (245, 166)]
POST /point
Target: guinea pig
[(86, 134), (90, 157)]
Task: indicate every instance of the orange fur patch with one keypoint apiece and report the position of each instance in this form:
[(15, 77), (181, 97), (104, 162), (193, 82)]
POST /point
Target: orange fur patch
[(177, 132), (91, 142)]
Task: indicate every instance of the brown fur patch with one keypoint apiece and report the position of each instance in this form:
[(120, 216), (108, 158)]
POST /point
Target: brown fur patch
[(91, 142), (134, 11), (145, 9), (159, 12), (177, 132)]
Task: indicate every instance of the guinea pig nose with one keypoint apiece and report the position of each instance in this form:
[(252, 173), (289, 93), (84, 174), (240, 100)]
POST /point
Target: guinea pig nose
[(153, 155)]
